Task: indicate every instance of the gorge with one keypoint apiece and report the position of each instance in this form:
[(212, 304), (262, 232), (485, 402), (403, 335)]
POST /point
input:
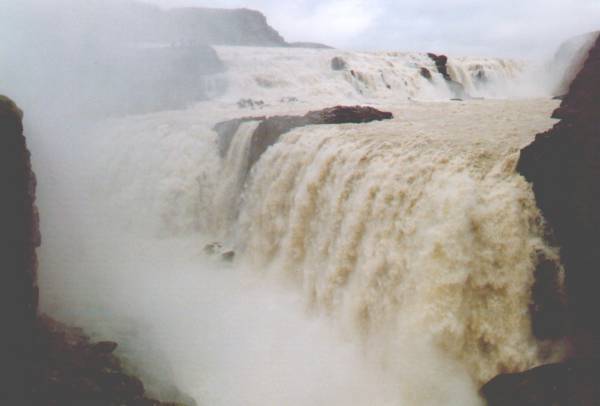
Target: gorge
[(301, 226)]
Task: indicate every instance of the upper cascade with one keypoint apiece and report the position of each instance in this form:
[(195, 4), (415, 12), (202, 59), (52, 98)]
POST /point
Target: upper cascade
[(259, 76)]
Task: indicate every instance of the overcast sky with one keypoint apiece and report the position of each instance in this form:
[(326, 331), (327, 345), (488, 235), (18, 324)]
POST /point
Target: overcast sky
[(470, 27)]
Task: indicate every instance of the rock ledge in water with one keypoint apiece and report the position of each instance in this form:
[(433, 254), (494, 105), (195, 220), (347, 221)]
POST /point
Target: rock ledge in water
[(441, 64), (271, 128), (337, 63)]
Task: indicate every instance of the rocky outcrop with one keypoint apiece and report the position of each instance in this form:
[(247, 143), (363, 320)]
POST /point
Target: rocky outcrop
[(338, 63), (425, 73), (250, 103), (572, 383), (563, 165), (270, 129), (227, 130), (70, 369), (43, 361), (441, 64), (347, 114)]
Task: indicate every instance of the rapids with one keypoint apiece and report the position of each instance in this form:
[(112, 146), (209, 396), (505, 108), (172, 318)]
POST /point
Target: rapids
[(276, 74)]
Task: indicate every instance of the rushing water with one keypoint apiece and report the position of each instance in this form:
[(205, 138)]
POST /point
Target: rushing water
[(275, 74), (387, 263)]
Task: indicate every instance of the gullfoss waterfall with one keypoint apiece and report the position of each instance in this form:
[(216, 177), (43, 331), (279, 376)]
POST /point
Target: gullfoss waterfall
[(383, 263)]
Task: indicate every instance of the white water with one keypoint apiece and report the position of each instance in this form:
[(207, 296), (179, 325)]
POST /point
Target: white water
[(270, 74), (379, 264)]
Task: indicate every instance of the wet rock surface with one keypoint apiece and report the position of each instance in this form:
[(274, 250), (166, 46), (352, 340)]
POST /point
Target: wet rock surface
[(563, 165), (226, 131), (425, 73), (338, 64), (72, 370), (250, 103), (347, 114), (441, 64), (573, 383), (228, 256)]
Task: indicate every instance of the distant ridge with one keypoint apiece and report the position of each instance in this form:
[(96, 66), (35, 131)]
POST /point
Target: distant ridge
[(214, 26), (132, 21), (222, 26)]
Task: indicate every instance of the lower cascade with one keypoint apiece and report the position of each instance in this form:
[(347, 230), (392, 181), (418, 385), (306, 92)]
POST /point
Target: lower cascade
[(394, 232), (423, 247), (403, 251)]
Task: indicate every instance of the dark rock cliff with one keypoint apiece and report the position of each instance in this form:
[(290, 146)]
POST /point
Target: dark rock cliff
[(44, 362), (563, 165), (19, 237)]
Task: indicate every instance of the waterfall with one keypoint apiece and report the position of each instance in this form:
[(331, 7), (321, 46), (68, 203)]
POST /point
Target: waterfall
[(392, 233), (388, 263), (387, 230), (232, 177), (273, 75)]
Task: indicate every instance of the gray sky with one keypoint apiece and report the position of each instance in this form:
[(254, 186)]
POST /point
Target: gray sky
[(519, 28)]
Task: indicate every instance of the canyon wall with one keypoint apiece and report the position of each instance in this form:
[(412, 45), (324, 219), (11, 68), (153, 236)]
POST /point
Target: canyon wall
[(563, 165)]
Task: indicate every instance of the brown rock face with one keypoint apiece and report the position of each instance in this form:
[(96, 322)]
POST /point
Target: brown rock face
[(563, 164), (425, 73), (42, 361), (440, 63)]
